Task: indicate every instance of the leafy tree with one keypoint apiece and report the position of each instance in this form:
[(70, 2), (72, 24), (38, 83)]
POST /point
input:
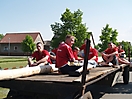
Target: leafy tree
[(28, 44), (71, 23), (108, 35), (1, 36)]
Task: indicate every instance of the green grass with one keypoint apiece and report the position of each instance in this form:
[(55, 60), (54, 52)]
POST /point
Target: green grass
[(10, 63), (3, 92)]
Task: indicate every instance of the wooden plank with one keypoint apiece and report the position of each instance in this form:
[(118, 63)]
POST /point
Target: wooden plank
[(61, 78), (96, 72), (65, 78)]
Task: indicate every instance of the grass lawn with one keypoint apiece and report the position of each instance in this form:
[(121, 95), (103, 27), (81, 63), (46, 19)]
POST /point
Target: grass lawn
[(10, 63), (3, 92)]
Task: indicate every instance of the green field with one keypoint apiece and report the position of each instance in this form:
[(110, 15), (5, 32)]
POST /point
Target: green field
[(10, 62)]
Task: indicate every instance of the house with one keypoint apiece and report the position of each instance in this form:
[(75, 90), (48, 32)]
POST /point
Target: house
[(47, 45), (10, 44)]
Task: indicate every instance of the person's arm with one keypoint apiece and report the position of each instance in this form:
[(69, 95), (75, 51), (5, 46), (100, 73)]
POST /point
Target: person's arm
[(104, 52), (42, 60), (114, 53), (70, 55), (52, 57), (30, 61), (121, 52)]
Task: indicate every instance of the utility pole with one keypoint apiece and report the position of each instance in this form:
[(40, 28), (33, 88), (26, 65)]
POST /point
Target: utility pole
[(9, 47)]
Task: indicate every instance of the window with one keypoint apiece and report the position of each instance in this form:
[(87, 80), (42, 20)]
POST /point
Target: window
[(15, 48), (5, 48)]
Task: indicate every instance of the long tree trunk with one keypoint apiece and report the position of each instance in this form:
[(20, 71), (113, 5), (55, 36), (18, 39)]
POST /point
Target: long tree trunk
[(26, 71)]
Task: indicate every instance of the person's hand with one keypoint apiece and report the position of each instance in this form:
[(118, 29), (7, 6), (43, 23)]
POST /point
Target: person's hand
[(107, 55), (102, 53), (34, 64)]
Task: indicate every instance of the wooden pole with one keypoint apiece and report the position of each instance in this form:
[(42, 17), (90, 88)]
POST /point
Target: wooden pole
[(92, 38), (23, 72)]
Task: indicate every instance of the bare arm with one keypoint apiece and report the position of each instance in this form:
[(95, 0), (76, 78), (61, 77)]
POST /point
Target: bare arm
[(43, 60), (114, 53), (30, 60)]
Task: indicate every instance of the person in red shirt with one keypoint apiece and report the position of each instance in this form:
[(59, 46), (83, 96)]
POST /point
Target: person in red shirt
[(75, 53), (41, 56), (92, 59), (121, 57), (93, 55), (121, 52), (65, 54), (82, 48), (110, 54), (54, 51)]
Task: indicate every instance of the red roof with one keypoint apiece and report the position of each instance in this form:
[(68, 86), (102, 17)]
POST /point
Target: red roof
[(18, 37)]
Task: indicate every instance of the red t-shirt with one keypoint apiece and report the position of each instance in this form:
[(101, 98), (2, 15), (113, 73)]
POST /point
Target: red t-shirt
[(54, 50), (92, 52), (120, 50), (38, 56), (83, 48), (111, 50), (63, 55), (75, 55)]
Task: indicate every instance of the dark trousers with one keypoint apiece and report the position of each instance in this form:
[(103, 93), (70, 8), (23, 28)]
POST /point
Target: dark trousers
[(66, 69)]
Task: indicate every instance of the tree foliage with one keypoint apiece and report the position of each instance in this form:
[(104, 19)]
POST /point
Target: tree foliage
[(28, 44), (108, 35), (1, 36), (71, 23)]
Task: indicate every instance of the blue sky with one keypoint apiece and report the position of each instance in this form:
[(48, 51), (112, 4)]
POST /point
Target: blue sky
[(38, 15)]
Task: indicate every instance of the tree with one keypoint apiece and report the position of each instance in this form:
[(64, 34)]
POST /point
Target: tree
[(1, 36), (28, 44), (71, 24), (108, 35)]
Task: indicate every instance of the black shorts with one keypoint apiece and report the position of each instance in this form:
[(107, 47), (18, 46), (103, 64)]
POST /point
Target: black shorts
[(115, 60)]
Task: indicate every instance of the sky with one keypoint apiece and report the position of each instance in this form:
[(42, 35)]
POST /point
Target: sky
[(38, 15)]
